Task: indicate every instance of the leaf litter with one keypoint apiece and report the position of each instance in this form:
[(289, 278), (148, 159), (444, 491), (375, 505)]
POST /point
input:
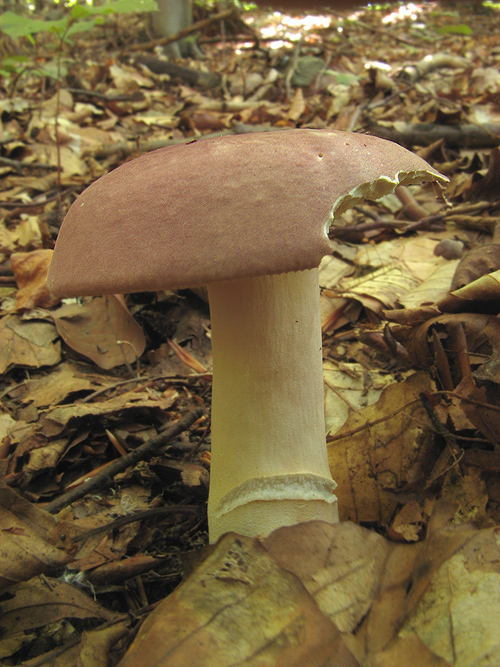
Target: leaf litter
[(410, 303)]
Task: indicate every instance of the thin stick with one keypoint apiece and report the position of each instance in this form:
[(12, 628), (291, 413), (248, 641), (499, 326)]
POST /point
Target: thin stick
[(138, 516), (143, 452), (146, 379)]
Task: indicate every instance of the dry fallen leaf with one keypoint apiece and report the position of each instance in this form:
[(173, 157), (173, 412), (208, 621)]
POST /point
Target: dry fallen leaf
[(96, 648), (23, 236), (40, 601), (486, 288), (240, 608), (457, 616), (27, 343), (102, 329), (43, 446), (477, 262), (58, 385), (25, 538), (55, 421), (482, 334), (30, 271), (331, 564), (379, 449), (394, 604)]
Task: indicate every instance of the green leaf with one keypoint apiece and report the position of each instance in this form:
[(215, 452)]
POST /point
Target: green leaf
[(344, 78), (82, 26), (459, 29), (51, 70), (80, 11), (14, 64), (125, 7), (15, 25), (20, 26)]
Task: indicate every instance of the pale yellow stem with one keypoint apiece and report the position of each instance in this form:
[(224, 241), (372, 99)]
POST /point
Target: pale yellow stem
[(269, 458)]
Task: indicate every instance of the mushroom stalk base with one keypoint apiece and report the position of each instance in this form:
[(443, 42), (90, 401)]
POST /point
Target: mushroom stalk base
[(269, 457)]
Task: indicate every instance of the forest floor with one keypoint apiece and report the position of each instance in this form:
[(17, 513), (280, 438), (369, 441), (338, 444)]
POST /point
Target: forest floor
[(92, 542)]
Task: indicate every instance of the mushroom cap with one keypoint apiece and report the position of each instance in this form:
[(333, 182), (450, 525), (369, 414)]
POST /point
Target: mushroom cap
[(216, 209)]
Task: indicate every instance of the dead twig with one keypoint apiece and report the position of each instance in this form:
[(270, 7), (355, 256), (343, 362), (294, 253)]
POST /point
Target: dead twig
[(138, 516), (143, 452), (151, 378)]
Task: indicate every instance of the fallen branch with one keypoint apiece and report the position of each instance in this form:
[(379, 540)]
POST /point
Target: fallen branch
[(193, 77)]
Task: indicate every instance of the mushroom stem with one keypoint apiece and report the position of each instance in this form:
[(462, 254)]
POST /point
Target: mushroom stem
[(269, 456)]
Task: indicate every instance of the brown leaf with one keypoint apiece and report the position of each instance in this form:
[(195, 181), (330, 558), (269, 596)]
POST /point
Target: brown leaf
[(457, 611), (486, 187), (27, 548), (30, 270), (23, 236), (240, 608), (102, 329), (380, 448), (59, 418), (482, 333), (408, 651), (393, 602), (96, 648), (56, 386), (37, 602), (323, 556), (186, 357), (476, 263), (483, 289), (27, 343)]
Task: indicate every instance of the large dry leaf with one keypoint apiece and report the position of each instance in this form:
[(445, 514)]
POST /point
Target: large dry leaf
[(476, 263), (407, 272), (381, 289), (238, 608), (422, 604), (26, 548), (102, 329), (340, 568), (27, 343), (380, 449), (457, 616), (37, 455), (415, 254), (433, 288)]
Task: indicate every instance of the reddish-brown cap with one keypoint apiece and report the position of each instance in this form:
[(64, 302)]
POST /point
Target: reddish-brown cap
[(223, 208)]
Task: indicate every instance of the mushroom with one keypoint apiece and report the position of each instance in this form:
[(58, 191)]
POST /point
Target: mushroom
[(247, 215)]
